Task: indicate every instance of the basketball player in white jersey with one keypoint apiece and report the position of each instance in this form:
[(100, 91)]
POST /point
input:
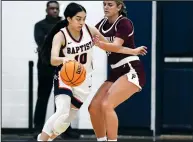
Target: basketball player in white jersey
[(71, 39)]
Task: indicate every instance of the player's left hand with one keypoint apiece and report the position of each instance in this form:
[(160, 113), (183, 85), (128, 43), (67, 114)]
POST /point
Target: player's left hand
[(96, 40), (142, 50)]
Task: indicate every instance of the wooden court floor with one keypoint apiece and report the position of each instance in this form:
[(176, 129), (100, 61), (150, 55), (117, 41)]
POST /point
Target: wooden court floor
[(89, 138)]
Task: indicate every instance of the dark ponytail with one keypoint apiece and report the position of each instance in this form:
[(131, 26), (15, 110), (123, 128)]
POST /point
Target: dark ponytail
[(45, 49), (123, 10)]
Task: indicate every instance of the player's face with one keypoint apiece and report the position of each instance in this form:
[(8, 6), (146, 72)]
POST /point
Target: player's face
[(78, 21), (110, 8)]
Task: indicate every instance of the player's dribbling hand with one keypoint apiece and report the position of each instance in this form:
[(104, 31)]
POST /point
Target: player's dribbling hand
[(142, 50), (96, 40), (65, 60)]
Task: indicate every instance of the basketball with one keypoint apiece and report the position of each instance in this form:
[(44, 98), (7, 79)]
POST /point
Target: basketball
[(73, 73)]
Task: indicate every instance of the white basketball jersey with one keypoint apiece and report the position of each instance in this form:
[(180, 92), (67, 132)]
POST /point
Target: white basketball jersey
[(80, 50)]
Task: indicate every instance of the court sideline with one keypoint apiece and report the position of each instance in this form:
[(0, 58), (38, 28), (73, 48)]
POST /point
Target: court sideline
[(91, 138)]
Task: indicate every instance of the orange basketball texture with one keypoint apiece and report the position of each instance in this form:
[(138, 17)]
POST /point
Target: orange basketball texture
[(73, 73)]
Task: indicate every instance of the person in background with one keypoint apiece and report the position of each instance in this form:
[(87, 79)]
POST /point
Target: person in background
[(46, 72)]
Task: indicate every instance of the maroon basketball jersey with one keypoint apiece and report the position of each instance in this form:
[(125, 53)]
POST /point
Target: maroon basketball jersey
[(121, 28)]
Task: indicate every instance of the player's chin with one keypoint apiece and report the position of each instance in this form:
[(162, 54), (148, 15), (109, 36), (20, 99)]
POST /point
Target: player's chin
[(108, 14), (78, 29)]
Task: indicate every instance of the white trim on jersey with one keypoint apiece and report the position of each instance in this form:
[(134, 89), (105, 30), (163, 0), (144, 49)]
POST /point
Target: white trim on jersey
[(102, 23), (124, 61), (133, 29), (111, 25)]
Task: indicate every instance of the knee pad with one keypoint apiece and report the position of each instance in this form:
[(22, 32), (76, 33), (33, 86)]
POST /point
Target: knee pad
[(72, 115), (63, 103), (63, 122), (60, 125), (52, 125)]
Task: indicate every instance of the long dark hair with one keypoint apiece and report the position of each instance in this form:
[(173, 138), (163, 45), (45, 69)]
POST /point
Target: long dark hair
[(45, 50)]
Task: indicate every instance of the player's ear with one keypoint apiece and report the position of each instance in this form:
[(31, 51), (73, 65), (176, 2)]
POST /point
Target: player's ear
[(69, 19), (119, 7)]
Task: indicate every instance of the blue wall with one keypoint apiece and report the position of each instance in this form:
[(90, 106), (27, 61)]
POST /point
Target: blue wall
[(176, 36), (174, 93), (135, 113)]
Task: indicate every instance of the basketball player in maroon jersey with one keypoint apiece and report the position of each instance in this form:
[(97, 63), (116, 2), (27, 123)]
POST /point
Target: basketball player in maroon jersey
[(126, 75)]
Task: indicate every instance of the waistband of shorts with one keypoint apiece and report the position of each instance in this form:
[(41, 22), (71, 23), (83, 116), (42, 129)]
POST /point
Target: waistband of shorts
[(124, 61)]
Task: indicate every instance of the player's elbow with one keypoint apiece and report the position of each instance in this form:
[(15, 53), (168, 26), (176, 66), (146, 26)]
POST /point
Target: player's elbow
[(53, 61)]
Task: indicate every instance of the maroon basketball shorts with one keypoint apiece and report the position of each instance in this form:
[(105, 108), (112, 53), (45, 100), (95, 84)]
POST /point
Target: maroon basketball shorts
[(130, 66)]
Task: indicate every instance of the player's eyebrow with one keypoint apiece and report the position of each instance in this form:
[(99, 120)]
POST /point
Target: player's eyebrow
[(80, 17)]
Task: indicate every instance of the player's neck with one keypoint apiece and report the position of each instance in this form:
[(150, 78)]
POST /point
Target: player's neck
[(74, 33), (112, 19)]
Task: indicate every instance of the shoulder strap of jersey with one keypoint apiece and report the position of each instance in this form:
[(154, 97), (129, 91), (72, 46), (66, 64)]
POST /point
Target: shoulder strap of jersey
[(102, 22), (63, 46), (88, 31)]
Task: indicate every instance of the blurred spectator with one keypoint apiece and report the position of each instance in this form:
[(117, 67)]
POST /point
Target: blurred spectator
[(46, 72)]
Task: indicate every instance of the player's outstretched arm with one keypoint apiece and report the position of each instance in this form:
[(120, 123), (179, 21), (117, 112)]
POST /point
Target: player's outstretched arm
[(116, 46), (57, 42)]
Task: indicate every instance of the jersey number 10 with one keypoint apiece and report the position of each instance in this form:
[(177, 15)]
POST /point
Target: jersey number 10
[(81, 58)]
